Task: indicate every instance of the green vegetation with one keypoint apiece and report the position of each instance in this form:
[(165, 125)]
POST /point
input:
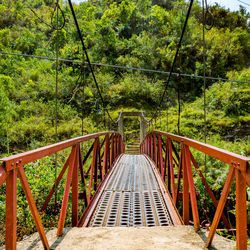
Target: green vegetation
[(132, 33)]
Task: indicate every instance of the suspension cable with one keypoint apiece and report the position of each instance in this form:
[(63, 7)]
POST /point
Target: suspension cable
[(88, 60), (104, 119), (179, 108), (175, 57), (204, 28), (56, 108), (167, 112), (179, 96), (204, 68), (83, 96), (122, 67)]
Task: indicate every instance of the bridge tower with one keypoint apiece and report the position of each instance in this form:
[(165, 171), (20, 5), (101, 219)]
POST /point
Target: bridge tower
[(143, 122)]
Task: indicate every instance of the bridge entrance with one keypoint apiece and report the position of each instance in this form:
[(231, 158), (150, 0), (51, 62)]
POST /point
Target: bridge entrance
[(131, 129), (143, 122)]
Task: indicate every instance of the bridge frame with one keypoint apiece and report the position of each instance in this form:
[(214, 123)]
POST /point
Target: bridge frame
[(155, 147), (143, 122), (104, 155)]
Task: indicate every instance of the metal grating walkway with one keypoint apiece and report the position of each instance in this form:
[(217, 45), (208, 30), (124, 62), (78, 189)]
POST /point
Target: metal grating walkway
[(131, 197)]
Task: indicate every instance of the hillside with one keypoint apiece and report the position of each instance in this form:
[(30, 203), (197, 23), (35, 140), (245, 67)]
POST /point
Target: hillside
[(134, 34)]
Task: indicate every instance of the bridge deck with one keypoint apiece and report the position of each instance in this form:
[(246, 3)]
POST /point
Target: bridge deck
[(133, 196)]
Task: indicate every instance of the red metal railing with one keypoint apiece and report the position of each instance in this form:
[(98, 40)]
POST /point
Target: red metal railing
[(102, 161), (154, 146)]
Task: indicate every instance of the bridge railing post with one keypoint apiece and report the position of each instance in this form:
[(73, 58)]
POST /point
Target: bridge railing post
[(185, 190), (221, 205), (66, 191), (96, 162), (180, 171), (192, 189), (120, 145), (171, 167), (105, 157), (83, 180), (75, 182), (147, 145), (92, 169), (11, 210), (155, 150), (167, 166), (112, 150), (241, 211), (151, 146), (160, 156)]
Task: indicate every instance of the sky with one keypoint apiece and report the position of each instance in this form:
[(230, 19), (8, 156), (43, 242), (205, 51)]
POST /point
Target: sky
[(233, 5)]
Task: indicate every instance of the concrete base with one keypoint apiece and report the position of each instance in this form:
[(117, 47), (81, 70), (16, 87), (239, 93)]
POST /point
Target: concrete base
[(181, 237)]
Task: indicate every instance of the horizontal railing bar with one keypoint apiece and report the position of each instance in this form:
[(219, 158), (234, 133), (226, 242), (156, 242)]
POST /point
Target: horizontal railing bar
[(218, 153), (14, 161)]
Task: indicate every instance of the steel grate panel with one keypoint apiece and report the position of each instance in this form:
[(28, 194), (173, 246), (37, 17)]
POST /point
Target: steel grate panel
[(162, 213), (113, 213), (132, 197), (137, 210), (149, 213), (101, 210), (126, 210)]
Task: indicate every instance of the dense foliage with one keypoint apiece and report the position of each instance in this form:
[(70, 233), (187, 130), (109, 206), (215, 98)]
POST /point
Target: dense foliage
[(140, 34)]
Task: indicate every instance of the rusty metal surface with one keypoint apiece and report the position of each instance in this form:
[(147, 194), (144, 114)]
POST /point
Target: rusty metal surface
[(132, 197), (100, 168), (239, 161), (238, 166), (15, 161)]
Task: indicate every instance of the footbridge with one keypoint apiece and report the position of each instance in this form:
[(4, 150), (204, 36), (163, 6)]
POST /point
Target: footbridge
[(99, 185), (109, 188)]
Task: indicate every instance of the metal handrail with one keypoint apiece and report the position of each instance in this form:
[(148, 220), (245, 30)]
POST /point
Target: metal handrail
[(101, 165), (152, 146)]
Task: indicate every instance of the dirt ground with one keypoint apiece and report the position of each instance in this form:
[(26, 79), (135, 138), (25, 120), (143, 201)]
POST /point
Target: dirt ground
[(180, 238)]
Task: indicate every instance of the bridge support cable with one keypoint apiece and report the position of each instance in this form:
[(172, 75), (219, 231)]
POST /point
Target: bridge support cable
[(83, 97), (179, 97), (205, 13), (175, 58), (204, 104), (88, 60), (56, 93), (179, 110)]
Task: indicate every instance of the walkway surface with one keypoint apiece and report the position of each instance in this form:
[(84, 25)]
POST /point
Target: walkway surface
[(132, 197)]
